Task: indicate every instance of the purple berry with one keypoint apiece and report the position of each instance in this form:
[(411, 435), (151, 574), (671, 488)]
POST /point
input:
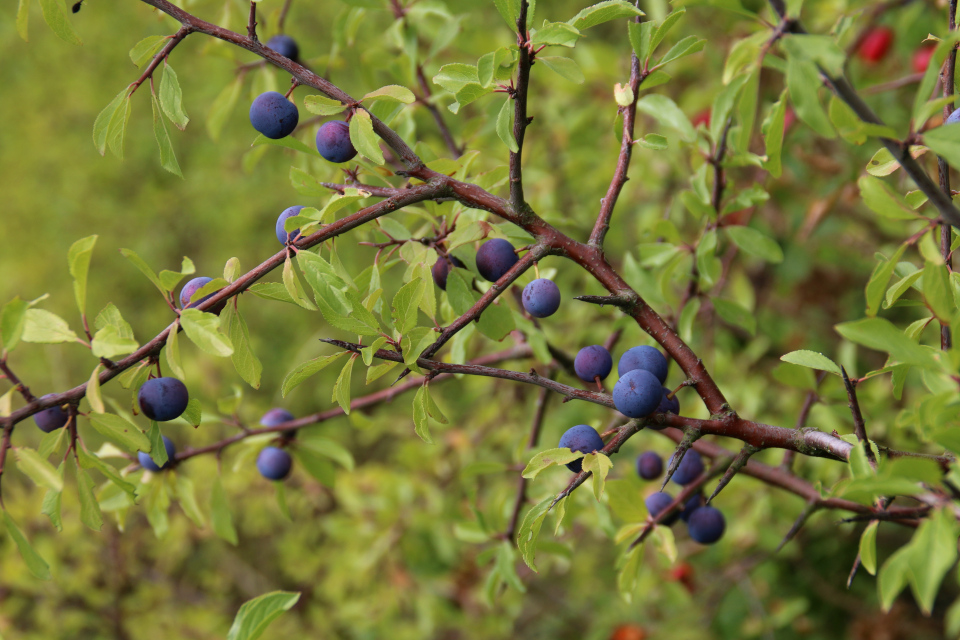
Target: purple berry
[(495, 258), (953, 118), (52, 418), (693, 503), (637, 394), (333, 142), (273, 115), (646, 358), (441, 269), (691, 466), (591, 362), (649, 465), (582, 438), (706, 525), (656, 503), (668, 405), (147, 462), (285, 46), (541, 298), (275, 416), (191, 288), (289, 212), (163, 399), (274, 463)]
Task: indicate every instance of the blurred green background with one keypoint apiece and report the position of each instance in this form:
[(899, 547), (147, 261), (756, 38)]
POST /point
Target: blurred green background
[(395, 549)]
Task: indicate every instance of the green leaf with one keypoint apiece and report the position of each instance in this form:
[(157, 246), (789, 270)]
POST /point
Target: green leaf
[(686, 47), (78, 257), (171, 98), (803, 84), (91, 461), (202, 329), (811, 359), (193, 414), (735, 314), (510, 10), (220, 516), (52, 501), (363, 137), (23, 18), (496, 322), (13, 317), (120, 431), (868, 548), (878, 281), (170, 279), (102, 123), (89, 507), (933, 552), (773, 136), (244, 359), (548, 458), (316, 466), (43, 327), (187, 495), (143, 51), (144, 268), (341, 389), (108, 342), (668, 114), (38, 469), (505, 127), (406, 303), (622, 498), (257, 614), (600, 465), (56, 18), (222, 106), (564, 67), (884, 201), (816, 49), (421, 425), (641, 38), (938, 293), (117, 128), (168, 158), (93, 391), (329, 449), (37, 565), (305, 370), (322, 105), (530, 530), (392, 92), (604, 12), (172, 353), (945, 142), (555, 33), (882, 335), (665, 27), (755, 243)]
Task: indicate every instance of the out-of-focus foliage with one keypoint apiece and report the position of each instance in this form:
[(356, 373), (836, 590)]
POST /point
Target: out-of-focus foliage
[(400, 538)]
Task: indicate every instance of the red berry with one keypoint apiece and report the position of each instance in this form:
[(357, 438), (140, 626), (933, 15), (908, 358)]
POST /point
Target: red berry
[(701, 118), (921, 58), (876, 44)]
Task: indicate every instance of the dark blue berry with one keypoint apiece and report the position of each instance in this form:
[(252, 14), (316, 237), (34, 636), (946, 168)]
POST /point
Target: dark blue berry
[(282, 234), (441, 269), (163, 399), (690, 467), (495, 258), (274, 463), (52, 418), (273, 115), (285, 46), (637, 394), (706, 525), (656, 503), (333, 142), (668, 405), (582, 438), (646, 358), (541, 298), (147, 462), (592, 362), (649, 465), (693, 503)]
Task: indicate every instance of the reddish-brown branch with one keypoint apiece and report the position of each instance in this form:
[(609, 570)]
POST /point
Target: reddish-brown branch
[(947, 80), (21, 388), (252, 21), (520, 121), (859, 427), (808, 403), (175, 39)]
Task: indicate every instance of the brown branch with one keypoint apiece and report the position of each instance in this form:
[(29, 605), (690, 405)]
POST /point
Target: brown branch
[(808, 403), (283, 15), (859, 427), (520, 121), (947, 80), (175, 39), (252, 21), (609, 201), (437, 116), (21, 388)]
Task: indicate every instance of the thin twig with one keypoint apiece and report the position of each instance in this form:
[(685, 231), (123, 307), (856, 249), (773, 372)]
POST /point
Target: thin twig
[(522, 482), (859, 428)]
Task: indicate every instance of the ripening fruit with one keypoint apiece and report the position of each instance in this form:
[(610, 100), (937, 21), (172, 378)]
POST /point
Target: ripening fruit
[(541, 298), (51, 418), (706, 525), (593, 362), (582, 438), (495, 258), (273, 115), (285, 46), (657, 502), (191, 288), (147, 462), (693, 503), (690, 467), (275, 416), (163, 399), (649, 465), (274, 463), (921, 58), (701, 118), (441, 269), (637, 394), (282, 234), (646, 358), (667, 404), (333, 142), (875, 45)]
